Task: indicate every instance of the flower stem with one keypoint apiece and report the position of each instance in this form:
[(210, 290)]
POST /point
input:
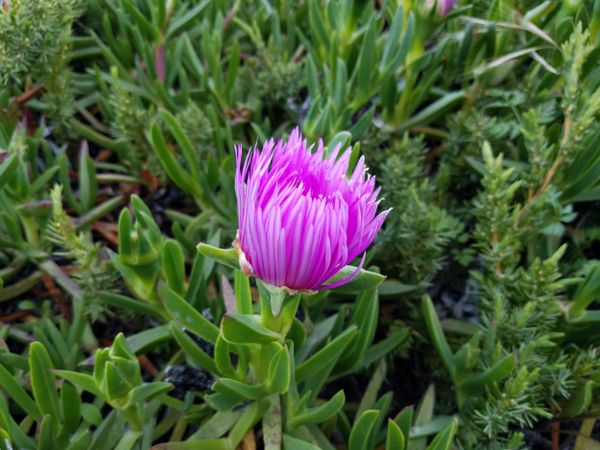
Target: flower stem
[(134, 420), (282, 322), (272, 424), (128, 440)]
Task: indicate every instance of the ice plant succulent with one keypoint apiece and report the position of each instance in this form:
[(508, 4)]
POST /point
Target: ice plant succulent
[(301, 218)]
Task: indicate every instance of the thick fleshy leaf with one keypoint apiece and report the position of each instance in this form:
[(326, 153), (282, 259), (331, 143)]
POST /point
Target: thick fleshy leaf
[(279, 371), (145, 392), (43, 382), (364, 280), (362, 429), (18, 394), (173, 265), (246, 329), (243, 294), (186, 315), (320, 413), (227, 257), (290, 442), (443, 440), (395, 440), (197, 355), (324, 357), (245, 390), (81, 380), (70, 404)]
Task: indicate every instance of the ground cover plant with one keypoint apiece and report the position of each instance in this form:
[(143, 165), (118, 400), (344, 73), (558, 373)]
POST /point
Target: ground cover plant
[(299, 224)]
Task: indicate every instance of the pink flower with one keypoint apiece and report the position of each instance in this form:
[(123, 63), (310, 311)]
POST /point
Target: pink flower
[(301, 219), (443, 7)]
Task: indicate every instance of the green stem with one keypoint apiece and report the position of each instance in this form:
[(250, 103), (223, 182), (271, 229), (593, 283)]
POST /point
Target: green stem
[(20, 287), (286, 310), (99, 211), (266, 314), (119, 178), (272, 424), (132, 414), (402, 111), (128, 440)]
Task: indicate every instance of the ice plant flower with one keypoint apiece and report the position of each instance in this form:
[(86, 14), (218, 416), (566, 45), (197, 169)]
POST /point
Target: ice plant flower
[(301, 219), (445, 6), (442, 7)]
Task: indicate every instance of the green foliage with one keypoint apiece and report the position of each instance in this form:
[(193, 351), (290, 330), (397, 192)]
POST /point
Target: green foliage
[(480, 126), (34, 56), (416, 217), (35, 38)]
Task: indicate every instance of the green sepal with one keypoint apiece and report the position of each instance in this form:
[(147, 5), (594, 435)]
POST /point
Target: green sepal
[(120, 348), (102, 357), (128, 369), (363, 281), (114, 385), (227, 257), (275, 295)]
